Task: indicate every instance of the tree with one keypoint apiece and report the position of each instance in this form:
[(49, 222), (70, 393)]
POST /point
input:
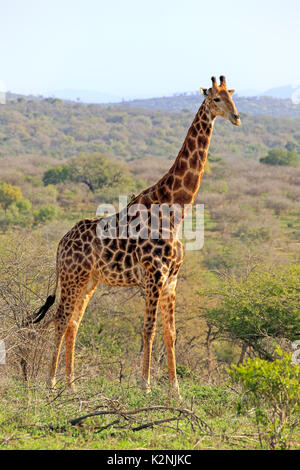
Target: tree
[(262, 307), (281, 157), (9, 194), (95, 170), (57, 175)]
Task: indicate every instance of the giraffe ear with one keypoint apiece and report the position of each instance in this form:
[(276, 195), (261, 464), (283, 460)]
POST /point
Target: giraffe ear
[(231, 91), (204, 91)]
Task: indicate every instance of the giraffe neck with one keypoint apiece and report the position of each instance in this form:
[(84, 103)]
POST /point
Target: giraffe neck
[(181, 184)]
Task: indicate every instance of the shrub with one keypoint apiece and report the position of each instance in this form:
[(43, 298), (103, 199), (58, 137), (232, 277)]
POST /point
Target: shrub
[(9, 194), (281, 157), (271, 393), (259, 309), (45, 214), (57, 175)]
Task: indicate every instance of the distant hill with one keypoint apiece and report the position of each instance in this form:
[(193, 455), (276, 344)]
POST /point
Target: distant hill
[(282, 92), (86, 96), (100, 97), (250, 105), (266, 103), (60, 129)]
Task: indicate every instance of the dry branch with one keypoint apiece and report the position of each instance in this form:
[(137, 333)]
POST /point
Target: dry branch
[(182, 413)]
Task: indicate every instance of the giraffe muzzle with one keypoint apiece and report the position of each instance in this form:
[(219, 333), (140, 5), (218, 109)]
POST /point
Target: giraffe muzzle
[(235, 119)]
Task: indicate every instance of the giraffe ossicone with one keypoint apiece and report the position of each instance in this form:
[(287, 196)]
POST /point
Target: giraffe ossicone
[(84, 259)]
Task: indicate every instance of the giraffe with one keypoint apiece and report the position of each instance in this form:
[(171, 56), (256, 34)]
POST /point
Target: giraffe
[(85, 259)]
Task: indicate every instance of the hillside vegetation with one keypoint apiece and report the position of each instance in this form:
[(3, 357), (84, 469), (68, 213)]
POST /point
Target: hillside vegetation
[(262, 105), (57, 129)]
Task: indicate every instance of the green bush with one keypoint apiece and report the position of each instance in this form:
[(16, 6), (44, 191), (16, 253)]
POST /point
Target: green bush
[(45, 214), (281, 157), (9, 194), (260, 308), (271, 394), (57, 175)]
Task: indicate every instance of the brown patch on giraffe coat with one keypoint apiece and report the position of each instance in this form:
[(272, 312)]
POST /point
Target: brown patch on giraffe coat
[(147, 248), (202, 155), (177, 184), (164, 194), (181, 167), (77, 257), (97, 244), (131, 245), (193, 131), (127, 261), (77, 245), (68, 261), (146, 201), (157, 251), (191, 180), (107, 255), (194, 161), (119, 256), (87, 249), (113, 244), (86, 265), (202, 141), (123, 244), (182, 197), (170, 181), (117, 267), (86, 237), (81, 227), (191, 144), (208, 130)]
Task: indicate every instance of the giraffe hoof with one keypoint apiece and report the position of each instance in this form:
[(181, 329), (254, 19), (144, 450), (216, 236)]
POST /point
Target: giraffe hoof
[(146, 387), (176, 394), (174, 391), (50, 383), (71, 386)]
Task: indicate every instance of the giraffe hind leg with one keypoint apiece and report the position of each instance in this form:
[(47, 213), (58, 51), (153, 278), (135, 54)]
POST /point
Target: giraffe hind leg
[(60, 326), (70, 297), (72, 329)]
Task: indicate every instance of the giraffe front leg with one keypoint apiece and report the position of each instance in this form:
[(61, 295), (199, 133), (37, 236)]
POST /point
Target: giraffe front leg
[(167, 305), (152, 297), (148, 337)]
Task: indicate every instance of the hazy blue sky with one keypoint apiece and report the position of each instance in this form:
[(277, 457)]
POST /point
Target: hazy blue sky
[(146, 48)]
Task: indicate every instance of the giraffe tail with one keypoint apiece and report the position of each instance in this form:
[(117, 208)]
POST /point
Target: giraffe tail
[(39, 315)]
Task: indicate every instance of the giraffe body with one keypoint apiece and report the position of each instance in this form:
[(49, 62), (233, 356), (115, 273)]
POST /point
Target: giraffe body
[(84, 259)]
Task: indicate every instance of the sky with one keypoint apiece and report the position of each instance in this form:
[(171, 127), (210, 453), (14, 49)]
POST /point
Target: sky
[(143, 48)]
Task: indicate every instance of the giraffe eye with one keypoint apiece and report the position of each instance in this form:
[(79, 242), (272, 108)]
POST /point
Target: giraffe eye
[(217, 100)]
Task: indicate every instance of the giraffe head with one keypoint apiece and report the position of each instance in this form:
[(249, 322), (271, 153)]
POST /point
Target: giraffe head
[(220, 102)]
